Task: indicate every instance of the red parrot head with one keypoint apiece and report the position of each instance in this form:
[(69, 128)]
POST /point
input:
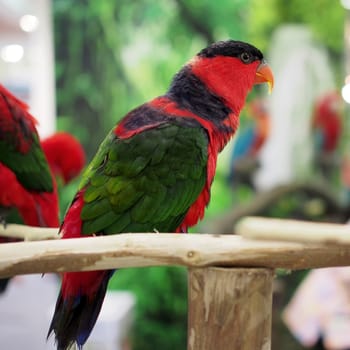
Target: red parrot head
[(215, 83), (230, 69), (65, 155)]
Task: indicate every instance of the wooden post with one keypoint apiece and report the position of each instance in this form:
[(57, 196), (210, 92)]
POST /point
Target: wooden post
[(230, 308)]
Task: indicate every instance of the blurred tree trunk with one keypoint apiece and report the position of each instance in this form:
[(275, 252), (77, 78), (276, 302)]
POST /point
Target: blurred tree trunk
[(198, 25), (90, 77)]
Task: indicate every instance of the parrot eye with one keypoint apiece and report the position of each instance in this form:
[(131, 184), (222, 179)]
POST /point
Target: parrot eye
[(246, 57)]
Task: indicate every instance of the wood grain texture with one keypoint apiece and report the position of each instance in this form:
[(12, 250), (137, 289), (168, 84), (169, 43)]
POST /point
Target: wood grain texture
[(151, 249), (293, 231), (314, 245), (28, 233), (230, 308)]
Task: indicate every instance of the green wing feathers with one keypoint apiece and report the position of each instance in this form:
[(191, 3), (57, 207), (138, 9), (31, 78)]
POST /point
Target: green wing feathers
[(31, 168), (146, 182)]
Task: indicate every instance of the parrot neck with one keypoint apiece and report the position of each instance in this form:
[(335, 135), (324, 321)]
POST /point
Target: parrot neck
[(226, 77), (191, 92)]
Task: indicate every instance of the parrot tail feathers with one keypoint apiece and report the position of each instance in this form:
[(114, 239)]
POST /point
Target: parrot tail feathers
[(3, 284), (75, 316)]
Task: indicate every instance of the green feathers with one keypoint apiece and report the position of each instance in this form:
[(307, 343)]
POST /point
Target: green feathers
[(146, 182), (31, 168)]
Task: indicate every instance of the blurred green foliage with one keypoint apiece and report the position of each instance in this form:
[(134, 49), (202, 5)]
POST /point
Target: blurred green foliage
[(325, 18), (112, 56), (160, 317)]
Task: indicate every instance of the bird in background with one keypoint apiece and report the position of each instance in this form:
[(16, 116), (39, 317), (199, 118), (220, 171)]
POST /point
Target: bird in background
[(26, 182), (28, 192), (63, 169), (248, 144), (30, 168), (327, 127), (154, 170), (65, 155)]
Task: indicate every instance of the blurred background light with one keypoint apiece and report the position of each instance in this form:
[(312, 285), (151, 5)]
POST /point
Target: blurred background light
[(28, 23), (345, 92), (12, 53), (345, 4)]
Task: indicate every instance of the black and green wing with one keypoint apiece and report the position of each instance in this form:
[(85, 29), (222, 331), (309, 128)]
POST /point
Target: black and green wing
[(20, 148), (147, 182), (31, 168)]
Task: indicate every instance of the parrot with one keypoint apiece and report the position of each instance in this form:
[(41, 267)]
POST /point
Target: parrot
[(26, 181), (154, 170), (37, 208), (66, 158), (28, 192), (249, 142), (327, 121), (56, 148), (327, 127)]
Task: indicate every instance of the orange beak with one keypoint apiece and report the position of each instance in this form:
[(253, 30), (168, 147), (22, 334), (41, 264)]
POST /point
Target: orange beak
[(264, 75)]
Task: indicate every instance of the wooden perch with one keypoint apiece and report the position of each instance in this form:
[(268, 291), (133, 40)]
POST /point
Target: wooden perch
[(293, 231), (28, 233), (229, 308), (152, 249)]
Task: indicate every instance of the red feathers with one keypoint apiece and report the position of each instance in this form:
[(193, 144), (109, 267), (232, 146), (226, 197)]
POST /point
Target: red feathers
[(18, 135), (65, 155), (11, 100), (66, 159), (34, 208), (16, 123), (72, 222), (327, 120), (20, 186), (227, 77)]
